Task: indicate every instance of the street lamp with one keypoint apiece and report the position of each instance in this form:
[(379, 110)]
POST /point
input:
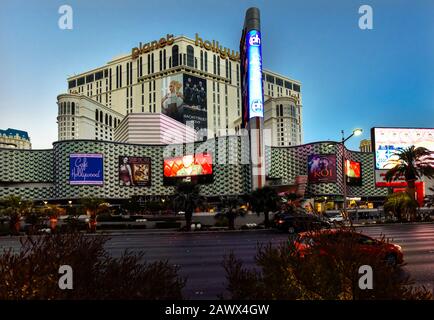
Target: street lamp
[(356, 132)]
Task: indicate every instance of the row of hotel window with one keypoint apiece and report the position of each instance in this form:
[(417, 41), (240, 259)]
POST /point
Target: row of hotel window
[(175, 60), (70, 108)]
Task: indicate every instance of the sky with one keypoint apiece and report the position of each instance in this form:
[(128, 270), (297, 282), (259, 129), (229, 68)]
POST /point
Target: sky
[(351, 78)]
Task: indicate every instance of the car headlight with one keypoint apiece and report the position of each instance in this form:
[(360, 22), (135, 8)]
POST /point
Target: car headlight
[(398, 247)]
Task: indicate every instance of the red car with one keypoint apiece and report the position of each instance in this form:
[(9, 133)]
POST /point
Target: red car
[(392, 252)]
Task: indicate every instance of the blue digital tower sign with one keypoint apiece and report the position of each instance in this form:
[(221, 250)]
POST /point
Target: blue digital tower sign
[(253, 94), (254, 74)]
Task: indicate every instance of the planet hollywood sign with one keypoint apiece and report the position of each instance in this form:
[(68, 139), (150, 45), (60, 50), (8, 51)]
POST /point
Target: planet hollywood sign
[(213, 46)]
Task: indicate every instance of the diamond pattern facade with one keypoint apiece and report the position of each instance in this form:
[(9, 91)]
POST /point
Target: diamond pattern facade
[(44, 174)]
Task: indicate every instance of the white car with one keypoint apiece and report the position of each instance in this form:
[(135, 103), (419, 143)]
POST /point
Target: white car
[(335, 217)]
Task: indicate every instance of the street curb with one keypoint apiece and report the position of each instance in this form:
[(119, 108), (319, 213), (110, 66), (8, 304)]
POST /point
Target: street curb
[(390, 224), (175, 231)]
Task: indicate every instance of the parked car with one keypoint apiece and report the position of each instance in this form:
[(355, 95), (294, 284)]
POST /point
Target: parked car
[(392, 253), (294, 223), (335, 217)]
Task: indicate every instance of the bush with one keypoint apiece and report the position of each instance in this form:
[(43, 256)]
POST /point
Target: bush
[(33, 273), (283, 274)]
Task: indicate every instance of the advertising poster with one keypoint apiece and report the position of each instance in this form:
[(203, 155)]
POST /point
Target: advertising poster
[(387, 141), (184, 98), (86, 169), (322, 168), (188, 166), (353, 173), (134, 171)]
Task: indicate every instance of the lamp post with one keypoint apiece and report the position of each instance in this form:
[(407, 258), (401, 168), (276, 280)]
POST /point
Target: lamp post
[(356, 132)]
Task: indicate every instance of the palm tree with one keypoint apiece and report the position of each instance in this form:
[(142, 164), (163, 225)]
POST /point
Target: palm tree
[(93, 207), (15, 208), (400, 203), (232, 209), (187, 199), (264, 200), (412, 163)]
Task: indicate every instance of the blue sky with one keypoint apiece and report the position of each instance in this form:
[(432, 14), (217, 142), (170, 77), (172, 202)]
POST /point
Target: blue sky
[(350, 77)]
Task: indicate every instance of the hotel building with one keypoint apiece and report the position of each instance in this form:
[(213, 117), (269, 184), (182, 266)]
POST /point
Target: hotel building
[(14, 139), (140, 83)]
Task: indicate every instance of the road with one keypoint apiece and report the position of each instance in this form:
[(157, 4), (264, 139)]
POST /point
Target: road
[(200, 254)]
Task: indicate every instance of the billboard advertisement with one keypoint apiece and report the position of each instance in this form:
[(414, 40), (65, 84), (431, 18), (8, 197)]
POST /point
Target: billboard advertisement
[(353, 173), (86, 169), (134, 171), (184, 98), (322, 168), (387, 141), (199, 164), (255, 98)]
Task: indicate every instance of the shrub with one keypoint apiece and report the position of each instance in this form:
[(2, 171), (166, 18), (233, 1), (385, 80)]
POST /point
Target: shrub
[(284, 274), (33, 272)]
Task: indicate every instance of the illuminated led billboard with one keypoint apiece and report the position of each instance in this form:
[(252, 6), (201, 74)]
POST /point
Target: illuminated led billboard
[(322, 168), (255, 97), (353, 173), (188, 166), (387, 141)]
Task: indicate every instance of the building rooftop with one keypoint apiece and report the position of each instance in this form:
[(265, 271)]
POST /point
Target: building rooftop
[(14, 132)]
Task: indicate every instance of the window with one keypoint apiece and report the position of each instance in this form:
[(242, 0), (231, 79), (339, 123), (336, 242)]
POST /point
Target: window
[(175, 56), (296, 87), (206, 61), (106, 119), (270, 78), (214, 69), (279, 82), (110, 121), (161, 60), (149, 63), (190, 56), (288, 85), (117, 77), (72, 84), (73, 108), (89, 78), (201, 60), (227, 68), (101, 119), (99, 75), (80, 81)]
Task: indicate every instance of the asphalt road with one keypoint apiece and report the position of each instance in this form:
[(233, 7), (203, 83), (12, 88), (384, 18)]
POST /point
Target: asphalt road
[(200, 254)]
